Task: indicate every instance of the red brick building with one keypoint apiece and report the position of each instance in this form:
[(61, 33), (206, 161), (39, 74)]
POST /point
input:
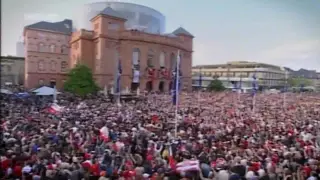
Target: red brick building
[(147, 59)]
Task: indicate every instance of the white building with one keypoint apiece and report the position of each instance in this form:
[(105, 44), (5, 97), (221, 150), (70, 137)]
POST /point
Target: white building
[(240, 74)]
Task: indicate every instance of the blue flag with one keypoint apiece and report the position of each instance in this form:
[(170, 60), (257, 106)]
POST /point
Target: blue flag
[(176, 79), (118, 76)]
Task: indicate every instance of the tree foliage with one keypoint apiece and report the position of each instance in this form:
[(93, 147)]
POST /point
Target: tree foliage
[(216, 85), (80, 81), (298, 81)]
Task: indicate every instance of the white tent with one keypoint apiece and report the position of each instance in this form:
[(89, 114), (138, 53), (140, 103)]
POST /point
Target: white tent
[(45, 91), (5, 91)]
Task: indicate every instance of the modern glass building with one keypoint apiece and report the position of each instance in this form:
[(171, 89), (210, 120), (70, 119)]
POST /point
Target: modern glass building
[(138, 16)]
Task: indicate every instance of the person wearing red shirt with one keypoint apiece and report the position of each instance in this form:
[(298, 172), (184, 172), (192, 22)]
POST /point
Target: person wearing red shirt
[(17, 170), (95, 169), (5, 163)]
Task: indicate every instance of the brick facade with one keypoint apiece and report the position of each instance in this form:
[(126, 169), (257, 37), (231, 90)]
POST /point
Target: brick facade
[(153, 55)]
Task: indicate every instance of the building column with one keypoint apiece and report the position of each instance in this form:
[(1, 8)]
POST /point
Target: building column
[(155, 85)]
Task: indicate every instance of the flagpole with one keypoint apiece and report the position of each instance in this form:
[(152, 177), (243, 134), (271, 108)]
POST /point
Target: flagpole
[(119, 95), (240, 89), (54, 94), (105, 90), (177, 96), (118, 80), (254, 88), (285, 90), (119, 91), (200, 84), (254, 102)]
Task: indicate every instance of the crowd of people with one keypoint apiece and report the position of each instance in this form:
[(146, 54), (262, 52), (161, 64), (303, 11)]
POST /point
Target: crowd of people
[(221, 136)]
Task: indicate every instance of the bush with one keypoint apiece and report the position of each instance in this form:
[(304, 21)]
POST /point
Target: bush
[(298, 81), (216, 85)]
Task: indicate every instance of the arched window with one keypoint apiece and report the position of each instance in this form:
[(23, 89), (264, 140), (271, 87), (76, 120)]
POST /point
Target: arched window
[(53, 66), (64, 65), (64, 49), (150, 59), (135, 57), (52, 83), (162, 59), (41, 65), (41, 47), (52, 48), (173, 61)]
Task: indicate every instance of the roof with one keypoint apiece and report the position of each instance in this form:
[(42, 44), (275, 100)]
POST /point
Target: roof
[(108, 11), (288, 69), (236, 64), (11, 58), (64, 26), (305, 73), (170, 35), (182, 31)]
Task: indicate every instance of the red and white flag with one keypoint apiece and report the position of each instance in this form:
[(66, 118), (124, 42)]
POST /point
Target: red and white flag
[(86, 164), (55, 108), (104, 133), (188, 165)]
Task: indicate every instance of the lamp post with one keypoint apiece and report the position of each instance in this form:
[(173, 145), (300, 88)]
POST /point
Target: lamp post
[(228, 75), (285, 88), (200, 85), (240, 88), (254, 89)]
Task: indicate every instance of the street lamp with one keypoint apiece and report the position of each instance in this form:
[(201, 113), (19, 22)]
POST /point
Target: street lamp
[(285, 86)]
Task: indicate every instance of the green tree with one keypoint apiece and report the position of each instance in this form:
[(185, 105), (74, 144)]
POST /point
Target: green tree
[(80, 81), (216, 85), (298, 81)]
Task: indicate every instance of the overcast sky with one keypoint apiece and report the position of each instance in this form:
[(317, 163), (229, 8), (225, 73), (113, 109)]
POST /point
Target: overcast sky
[(281, 32)]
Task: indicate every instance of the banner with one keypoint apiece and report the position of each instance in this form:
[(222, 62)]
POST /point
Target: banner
[(136, 76)]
